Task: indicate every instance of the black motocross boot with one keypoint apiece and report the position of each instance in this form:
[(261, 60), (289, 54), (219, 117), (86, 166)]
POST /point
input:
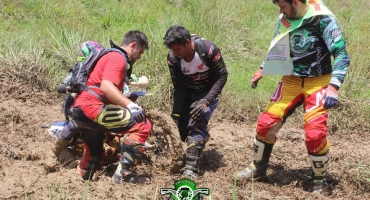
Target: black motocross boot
[(257, 169), (195, 146), (131, 151)]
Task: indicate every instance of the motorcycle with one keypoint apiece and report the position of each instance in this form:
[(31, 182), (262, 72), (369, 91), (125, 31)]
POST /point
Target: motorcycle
[(163, 148)]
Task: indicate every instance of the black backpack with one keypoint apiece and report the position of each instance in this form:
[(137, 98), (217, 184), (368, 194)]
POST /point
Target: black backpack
[(81, 71), (199, 48)]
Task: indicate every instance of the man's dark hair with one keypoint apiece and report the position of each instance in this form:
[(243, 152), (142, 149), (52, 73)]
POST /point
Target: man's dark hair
[(289, 1), (176, 34), (135, 36)]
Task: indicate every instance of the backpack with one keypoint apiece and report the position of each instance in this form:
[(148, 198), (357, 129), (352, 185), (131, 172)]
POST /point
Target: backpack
[(82, 70), (199, 48)]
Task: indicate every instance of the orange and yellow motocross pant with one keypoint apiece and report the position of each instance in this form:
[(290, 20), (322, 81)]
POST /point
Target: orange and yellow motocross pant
[(291, 93)]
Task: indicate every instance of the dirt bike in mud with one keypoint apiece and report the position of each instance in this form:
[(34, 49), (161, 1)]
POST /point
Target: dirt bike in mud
[(163, 148)]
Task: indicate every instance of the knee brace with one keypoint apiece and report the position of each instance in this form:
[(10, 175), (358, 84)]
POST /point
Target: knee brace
[(268, 126), (316, 141), (69, 131)]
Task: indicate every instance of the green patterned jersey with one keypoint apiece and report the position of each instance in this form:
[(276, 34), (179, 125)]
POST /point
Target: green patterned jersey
[(312, 45)]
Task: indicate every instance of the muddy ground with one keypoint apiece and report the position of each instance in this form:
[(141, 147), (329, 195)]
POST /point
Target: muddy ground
[(24, 146)]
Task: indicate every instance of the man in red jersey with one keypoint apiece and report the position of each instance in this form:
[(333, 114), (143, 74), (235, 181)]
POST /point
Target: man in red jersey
[(104, 108)]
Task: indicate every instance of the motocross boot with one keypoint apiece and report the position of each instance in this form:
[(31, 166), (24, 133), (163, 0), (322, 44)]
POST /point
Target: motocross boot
[(131, 151), (319, 164), (51, 161), (59, 145), (195, 146), (257, 169)]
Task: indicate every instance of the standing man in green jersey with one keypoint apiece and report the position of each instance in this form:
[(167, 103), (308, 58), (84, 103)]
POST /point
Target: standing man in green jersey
[(313, 37)]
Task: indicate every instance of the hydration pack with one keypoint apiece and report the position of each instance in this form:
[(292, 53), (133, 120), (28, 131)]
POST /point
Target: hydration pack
[(82, 70)]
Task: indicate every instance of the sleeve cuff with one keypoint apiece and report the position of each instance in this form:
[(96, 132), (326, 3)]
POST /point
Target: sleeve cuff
[(337, 87)]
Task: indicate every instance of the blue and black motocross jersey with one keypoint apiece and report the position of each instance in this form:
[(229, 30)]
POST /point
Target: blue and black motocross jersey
[(196, 76), (312, 45)]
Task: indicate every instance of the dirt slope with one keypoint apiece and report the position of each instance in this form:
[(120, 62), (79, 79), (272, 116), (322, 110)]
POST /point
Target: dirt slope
[(23, 146)]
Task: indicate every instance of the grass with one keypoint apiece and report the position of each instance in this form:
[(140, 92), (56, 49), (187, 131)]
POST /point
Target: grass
[(56, 192), (360, 174), (234, 187), (52, 30)]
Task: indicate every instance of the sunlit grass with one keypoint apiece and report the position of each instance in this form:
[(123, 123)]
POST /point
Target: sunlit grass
[(241, 29)]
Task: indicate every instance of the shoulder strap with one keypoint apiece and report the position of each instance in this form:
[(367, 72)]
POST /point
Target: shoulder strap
[(199, 48), (129, 70), (175, 60), (101, 54)]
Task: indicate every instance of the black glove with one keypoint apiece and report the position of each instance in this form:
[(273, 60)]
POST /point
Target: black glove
[(331, 97), (199, 108), (140, 117)]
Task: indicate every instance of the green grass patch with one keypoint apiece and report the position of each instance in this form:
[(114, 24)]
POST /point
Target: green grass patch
[(43, 36)]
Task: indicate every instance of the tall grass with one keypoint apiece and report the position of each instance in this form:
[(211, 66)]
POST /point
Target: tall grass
[(56, 191), (46, 34)]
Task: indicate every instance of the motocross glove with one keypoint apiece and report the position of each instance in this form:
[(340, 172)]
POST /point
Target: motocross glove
[(137, 112), (199, 108), (331, 97), (255, 78)]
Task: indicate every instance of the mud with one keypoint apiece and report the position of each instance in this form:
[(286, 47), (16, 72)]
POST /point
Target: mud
[(24, 147)]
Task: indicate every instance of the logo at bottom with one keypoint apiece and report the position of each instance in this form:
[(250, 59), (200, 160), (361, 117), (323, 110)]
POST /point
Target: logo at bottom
[(185, 189)]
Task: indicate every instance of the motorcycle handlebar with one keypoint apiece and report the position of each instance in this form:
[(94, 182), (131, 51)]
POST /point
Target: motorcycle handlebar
[(62, 89)]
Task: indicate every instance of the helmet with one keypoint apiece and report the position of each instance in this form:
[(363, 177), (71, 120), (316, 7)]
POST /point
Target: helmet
[(86, 48)]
